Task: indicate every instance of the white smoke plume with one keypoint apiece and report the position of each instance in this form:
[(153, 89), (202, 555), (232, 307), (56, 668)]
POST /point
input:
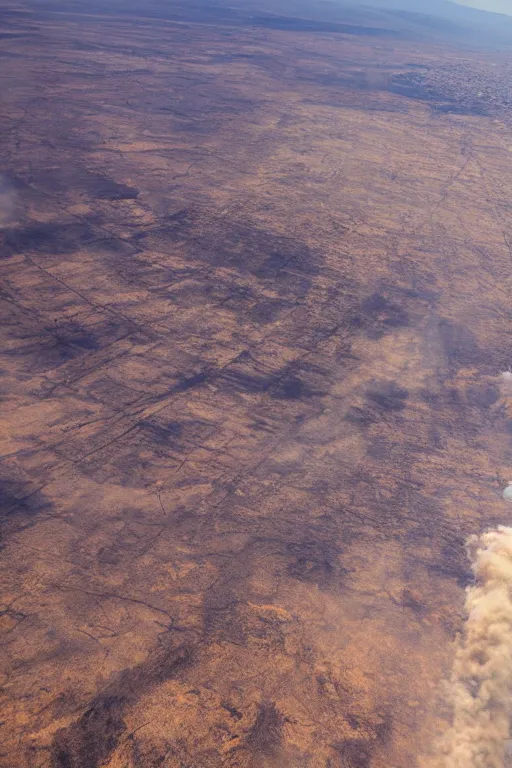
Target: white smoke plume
[(481, 682)]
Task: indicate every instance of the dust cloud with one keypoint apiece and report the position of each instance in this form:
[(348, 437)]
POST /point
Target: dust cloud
[(481, 681)]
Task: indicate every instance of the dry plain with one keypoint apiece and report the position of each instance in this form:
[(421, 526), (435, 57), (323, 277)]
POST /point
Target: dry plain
[(255, 300)]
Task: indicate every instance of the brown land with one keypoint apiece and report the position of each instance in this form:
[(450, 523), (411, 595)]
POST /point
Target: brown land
[(254, 301)]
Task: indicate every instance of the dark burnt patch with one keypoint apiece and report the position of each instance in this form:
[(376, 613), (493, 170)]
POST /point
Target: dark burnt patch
[(113, 554), (379, 315), (76, 179), (411, 600), (358, 753), (19, 497), (288, 387), (301, 380), (55, 345), (268, 311), (131, 541), (245, 381), (441, 95), (107, 189), (129, 265), (452, 562), (454, 571), (482, 396), (92, 739), (51, 238), (288, 265), (474, 108), (413, 85), (384, 728), (132, 460), (361, 417), (170, 430), (387, 396), (18, 36), (194, 287), (191, 381), (427, 511), (265, 736), (243, 375), (221, 617), (180, 223), (447, 557), (379, 449), (177, 437), (89, 741), (315, 562), (354, 753), (508, 426), (233, 711), (55, 352), (460, 345), (77, 337), (285, 256)]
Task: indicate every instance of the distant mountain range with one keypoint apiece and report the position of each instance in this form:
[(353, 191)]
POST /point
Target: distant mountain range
[(443, 8), (442, 19), (434, 20), (483, 22)]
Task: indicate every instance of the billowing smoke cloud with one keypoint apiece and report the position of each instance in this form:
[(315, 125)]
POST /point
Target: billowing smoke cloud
[(481, 682), (9, 203)]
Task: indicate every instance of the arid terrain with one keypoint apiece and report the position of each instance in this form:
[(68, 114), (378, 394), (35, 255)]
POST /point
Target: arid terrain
[(256, 296)]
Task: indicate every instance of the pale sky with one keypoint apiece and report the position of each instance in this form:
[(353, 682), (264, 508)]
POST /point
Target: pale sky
[(498, 6)]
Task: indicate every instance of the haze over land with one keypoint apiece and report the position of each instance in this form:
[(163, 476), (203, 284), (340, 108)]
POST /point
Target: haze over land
[(494, 6), (436, 6), (255, 264)]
